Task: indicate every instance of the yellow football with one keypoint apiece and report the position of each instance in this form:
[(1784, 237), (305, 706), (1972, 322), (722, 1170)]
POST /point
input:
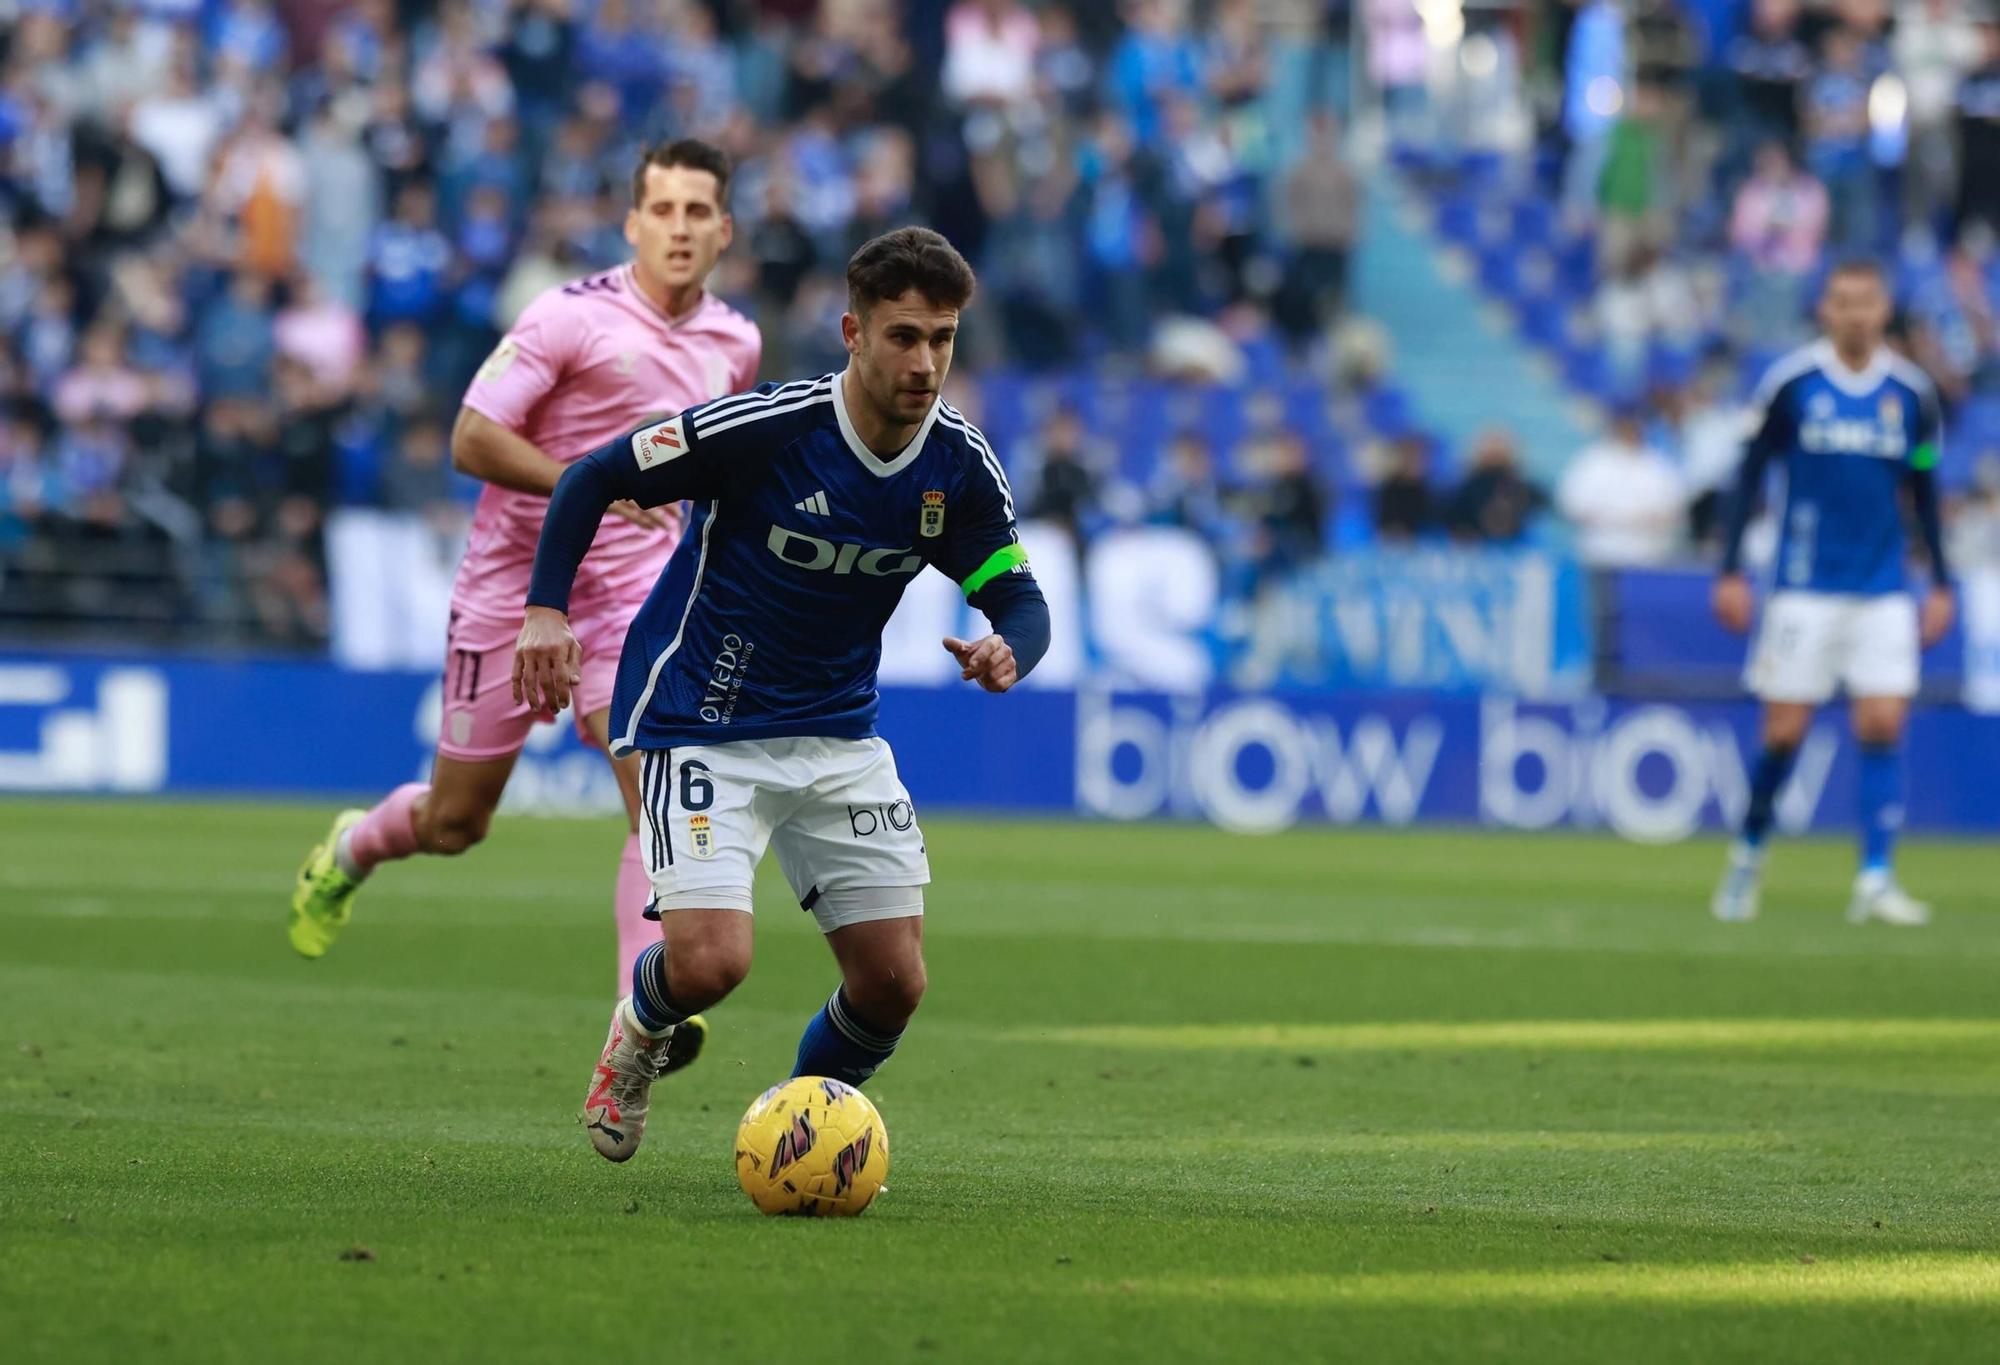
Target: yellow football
[(812, 1146)]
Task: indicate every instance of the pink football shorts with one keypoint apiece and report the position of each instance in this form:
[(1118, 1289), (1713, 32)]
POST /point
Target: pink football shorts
[(481, 718)]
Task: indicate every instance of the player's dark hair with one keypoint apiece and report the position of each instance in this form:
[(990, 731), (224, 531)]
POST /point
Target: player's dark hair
[(1858, 265), (909, 258), (690, 152)]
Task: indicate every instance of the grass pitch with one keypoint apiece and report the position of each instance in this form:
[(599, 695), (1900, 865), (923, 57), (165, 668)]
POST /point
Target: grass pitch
[(1174, 1095)]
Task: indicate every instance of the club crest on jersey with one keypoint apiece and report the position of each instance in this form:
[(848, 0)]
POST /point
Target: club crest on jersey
[(932, 521), (1892, 410), (655, 445), (700, 841)]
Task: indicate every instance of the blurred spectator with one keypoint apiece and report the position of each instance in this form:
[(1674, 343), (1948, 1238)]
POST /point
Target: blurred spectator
[(1778, 227), (1979, 132), (1594, 70), (1836, 105), (1495, 502), (1186, 491), (1956, 333), (259, 189), (1066, 483), (1770, 64), (1975, 529), (1285, 506), (1935, 45), (1398, 61), (1625, 498), (989, 59), (1649, 302), (235, 339), (180, 123), (101, 388), (1709, 427), (1322, 204), (408, 260), (1155, 60), (121, 199), (419, 478), (321, 332), (342, 203), (1405, 507)]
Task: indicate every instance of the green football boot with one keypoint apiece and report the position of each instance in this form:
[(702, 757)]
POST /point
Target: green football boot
[(324, 896)]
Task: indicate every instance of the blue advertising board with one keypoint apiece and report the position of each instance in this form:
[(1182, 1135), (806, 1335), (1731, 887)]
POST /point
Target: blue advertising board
[(1646, 770)]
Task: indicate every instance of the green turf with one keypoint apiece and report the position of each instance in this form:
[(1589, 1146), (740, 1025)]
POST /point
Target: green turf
[(1174, 1095)]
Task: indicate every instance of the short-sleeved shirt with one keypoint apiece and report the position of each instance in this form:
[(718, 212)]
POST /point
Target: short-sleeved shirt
[(1846, 439), (584, 363)]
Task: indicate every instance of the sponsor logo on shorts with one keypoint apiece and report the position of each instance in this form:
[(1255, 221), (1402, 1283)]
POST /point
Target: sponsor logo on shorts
[(724, 684), (700, 841), (932, 521), (656, 445), (867, 821)]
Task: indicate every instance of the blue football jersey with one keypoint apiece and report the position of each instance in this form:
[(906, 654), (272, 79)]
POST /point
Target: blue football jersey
[(800, 541), (1849, 441)]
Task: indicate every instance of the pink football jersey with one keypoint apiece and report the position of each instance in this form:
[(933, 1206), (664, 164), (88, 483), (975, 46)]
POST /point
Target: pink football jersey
[(584, 364)]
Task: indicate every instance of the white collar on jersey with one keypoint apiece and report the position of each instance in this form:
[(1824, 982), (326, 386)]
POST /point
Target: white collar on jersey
[(1854, 383), (874, 463)]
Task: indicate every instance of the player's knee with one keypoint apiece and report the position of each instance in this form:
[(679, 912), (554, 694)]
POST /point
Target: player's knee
[(702, 975), (888, 994), (452, 830), (1878, 731)]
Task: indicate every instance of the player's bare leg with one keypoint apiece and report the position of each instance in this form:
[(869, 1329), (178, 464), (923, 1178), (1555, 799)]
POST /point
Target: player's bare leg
[(1878, 729), (447, 815), (1785, 725), (882, 982), (701, 957)]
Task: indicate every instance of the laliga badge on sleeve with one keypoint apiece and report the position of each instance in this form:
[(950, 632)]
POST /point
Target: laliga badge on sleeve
[(657, 444)]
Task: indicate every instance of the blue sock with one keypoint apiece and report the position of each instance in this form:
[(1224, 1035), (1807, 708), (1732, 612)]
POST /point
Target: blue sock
[(651, 1001), (1774, 765), (1881, 804), (838, 1044)]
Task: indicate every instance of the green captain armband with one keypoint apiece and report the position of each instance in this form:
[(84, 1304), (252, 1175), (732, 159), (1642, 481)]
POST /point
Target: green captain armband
[(997, 563), (1924, 456)]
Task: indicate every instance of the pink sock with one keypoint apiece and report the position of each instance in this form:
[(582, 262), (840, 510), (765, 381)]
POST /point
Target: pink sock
[(389, 831), (636, 933)]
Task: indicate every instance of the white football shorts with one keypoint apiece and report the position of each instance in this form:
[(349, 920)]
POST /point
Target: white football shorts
[(834, 810), (1811, 642)]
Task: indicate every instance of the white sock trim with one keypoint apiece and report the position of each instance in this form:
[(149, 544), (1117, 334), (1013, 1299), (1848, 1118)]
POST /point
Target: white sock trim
[(343, 857)]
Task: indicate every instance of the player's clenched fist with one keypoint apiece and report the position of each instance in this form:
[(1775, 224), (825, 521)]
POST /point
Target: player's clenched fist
[(989, 662), (548, 661)]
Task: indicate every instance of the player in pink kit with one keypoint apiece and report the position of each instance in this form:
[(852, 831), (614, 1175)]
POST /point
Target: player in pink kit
[(584, 364)]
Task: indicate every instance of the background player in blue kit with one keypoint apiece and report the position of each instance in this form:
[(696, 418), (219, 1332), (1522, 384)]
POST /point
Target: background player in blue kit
[(1854, 426), (748, 678)]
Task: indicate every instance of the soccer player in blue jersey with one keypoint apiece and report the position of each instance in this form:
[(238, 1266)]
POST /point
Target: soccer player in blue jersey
[(1856, 427), (747, 682)]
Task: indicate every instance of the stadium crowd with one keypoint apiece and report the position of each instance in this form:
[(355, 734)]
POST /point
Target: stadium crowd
[(253, 249)]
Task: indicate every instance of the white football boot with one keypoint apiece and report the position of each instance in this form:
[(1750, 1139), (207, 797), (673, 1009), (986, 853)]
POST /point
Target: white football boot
[(1736, 898), (1876, 896), (614, 1112)]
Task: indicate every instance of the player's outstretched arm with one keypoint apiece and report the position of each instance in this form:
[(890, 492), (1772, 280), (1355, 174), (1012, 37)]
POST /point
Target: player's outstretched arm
[(1020, 617)]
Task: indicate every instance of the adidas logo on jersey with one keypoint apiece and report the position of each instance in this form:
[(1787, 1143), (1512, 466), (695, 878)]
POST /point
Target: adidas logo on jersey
[(816, 504)]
